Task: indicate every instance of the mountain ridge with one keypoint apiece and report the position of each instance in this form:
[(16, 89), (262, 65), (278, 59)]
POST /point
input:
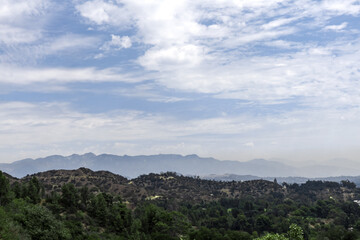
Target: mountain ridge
[(133, 166)]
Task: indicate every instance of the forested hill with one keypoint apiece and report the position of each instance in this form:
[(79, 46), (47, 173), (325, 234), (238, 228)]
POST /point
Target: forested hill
[(175, 187), (83, 204)]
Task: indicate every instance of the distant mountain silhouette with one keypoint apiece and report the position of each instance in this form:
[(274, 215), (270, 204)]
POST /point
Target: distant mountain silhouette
[(133, 166)]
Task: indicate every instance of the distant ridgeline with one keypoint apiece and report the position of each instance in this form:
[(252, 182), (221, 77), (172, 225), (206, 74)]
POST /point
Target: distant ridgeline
[(289, 180), (84, 204), (190, 165)]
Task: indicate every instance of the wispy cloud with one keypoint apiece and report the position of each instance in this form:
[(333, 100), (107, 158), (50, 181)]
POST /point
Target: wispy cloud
[(26, 127), (339, 27), (19, 21), (16, 75), (289, 63)]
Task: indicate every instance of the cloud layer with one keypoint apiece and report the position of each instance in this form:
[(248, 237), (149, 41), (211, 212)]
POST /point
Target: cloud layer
[(268, 77)]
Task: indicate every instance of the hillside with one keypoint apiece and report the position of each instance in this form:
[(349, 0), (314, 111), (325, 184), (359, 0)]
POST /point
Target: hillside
[(85, 204), (171, 186)]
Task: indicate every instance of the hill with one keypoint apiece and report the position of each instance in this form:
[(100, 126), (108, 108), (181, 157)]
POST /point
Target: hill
[(179, 188), (85, 204)]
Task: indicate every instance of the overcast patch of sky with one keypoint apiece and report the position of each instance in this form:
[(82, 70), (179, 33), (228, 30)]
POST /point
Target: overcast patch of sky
[(276, 64)]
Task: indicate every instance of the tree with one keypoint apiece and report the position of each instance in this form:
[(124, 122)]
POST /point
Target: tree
[(120, 218), (271, 236), (159, 223), (85, 196), (10, 230), (263, 223), (32, 191), (295, 233), (98, 209), (69, 197), (5, 192), (38, 221)]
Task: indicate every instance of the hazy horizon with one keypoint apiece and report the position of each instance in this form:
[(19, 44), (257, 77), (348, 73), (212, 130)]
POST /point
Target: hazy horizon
[(331, 162), (233, 80)]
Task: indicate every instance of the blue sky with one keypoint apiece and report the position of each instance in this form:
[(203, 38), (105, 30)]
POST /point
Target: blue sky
[(229, 79)]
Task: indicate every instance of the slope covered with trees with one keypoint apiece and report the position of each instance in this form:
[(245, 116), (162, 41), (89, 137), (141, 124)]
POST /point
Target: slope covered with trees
[(107, 206)]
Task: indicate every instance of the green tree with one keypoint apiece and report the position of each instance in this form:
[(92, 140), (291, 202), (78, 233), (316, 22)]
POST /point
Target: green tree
[(262, 223), (295, 233), (206, 234), (69, 197), (38, 222), (85, 196), (99, 209), (5, 192), (9, 229), (32, 191), (158, 222), (120, 219)]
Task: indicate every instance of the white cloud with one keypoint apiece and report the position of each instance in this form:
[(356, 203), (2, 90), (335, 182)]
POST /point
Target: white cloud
[(249, 144), (104, 12), (208, 47), (56, 124), (117, 43), (17, 10), (68, 42), (16, 75), (337, 27), (172, 57), (342, 7), (15, 35), (229, 49), (149, 92), (192, 43), (27, 127), (19, 20), (278, 23)]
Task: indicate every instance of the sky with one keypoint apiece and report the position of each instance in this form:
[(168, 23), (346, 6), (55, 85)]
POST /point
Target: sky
[(230, 79)]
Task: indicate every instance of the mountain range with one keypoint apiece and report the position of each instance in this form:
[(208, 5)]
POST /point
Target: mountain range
[(193, 165)]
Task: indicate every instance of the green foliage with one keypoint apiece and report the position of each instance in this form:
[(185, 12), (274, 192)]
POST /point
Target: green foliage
[(79, 214), (158, 222), (5, 192), (32, 191), (295, 233), (69, 197), (271, 236), (37, 221), (262, 223), (9, 229), (85, 196), (120, 219), (99, 210)]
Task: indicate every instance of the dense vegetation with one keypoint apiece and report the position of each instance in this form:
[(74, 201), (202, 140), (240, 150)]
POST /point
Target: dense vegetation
[(27, 211)]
